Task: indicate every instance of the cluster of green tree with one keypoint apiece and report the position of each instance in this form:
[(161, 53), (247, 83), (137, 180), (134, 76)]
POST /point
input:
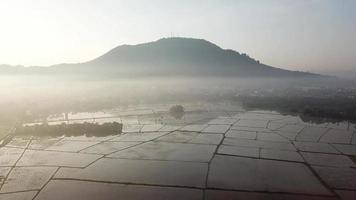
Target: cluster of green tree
[(336, 109), (177, 111), (88, 129)]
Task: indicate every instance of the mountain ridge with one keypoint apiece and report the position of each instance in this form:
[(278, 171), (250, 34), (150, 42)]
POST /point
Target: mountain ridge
[(166, 57)]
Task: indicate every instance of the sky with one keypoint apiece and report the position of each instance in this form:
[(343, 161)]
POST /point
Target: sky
[(308, 35)]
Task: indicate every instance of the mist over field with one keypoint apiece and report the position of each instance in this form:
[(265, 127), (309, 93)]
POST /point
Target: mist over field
[(177, 100), (168, 71), (42, 95)]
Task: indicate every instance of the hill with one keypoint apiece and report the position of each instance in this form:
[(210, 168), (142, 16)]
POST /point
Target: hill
[(166, 57)]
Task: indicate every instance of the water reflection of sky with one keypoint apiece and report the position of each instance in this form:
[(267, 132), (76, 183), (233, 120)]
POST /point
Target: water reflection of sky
[(193, 115)]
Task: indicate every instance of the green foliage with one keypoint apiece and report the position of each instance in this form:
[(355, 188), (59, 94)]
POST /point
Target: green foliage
[(353, 158), (88, 129), (177, 111), (335, 109)]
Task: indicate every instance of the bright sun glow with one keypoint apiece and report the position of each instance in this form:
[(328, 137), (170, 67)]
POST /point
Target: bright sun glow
[(290, 34)]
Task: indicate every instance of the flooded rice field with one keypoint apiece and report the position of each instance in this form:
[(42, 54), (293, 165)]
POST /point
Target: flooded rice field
[(211, 152)]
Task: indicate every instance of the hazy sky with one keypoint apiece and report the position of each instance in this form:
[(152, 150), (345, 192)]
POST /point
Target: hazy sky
[(295, 34)]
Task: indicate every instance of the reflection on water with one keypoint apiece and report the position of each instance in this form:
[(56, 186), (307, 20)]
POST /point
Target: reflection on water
[(101, 124), (79, 115)]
